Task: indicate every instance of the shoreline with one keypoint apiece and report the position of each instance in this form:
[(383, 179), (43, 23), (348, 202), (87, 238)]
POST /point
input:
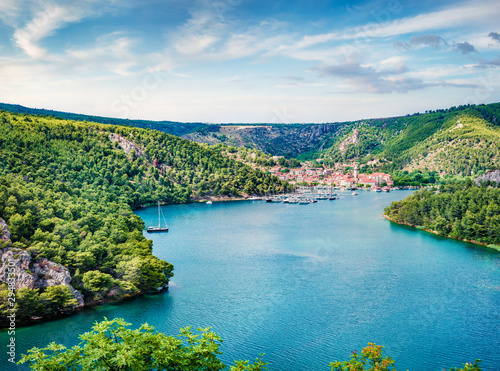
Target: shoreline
[(86, 306), (489, 246)]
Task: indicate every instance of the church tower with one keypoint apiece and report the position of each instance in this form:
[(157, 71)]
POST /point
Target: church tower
[(356, 172)]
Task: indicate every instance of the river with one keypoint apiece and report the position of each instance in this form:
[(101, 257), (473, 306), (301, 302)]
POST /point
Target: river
[(308, 284)]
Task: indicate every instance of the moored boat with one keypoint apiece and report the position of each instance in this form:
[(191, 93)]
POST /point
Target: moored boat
[(159, 227)]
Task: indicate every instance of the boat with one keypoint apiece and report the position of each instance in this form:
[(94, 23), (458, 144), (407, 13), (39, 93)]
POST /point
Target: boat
[(331, 195), (209, 202), (158, 228), (354, 193)]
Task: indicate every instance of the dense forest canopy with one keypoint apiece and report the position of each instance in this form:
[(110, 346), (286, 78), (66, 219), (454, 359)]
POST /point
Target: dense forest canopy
[(169, 127), (67, 191), (461, 210)]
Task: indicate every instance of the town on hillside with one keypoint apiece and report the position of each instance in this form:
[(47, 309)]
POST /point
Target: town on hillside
[(338, 177)]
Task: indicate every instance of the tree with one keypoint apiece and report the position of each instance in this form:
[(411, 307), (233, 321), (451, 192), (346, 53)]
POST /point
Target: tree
[(111, 345), (372, 359), (469, 367), (58, 298), (28, 303), (96, 281), (17, 227), (147, 273)]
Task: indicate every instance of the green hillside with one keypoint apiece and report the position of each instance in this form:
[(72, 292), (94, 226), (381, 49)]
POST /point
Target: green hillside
[(459, 210), (67, 191), (461, 140), (169, 127), (465, 145), (287, 140)]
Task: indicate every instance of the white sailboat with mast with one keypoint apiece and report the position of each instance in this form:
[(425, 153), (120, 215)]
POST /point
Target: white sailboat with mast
[(158, 228)]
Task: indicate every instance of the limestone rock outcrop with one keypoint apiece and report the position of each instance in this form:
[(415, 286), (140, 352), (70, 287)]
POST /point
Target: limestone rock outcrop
[(493, 176), (126, 144), (352, 139), (4, 232), (17, 263)]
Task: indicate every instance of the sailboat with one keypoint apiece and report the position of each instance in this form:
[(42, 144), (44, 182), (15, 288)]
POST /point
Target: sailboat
[(159, 228), (332, 195)]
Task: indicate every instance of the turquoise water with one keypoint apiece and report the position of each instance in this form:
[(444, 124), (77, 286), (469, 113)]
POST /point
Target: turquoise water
[(307, 284)]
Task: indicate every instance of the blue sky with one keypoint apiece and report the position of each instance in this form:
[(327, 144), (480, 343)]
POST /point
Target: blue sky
[(249, 60)]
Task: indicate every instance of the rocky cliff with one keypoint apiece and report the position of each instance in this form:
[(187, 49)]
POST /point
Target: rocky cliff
[(126, 144), (288, 140), (32, 274), (4, 232), (352, 139), (492, 176)]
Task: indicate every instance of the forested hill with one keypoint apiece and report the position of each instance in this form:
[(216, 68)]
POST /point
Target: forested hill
[(289, 140), (169, 127), (460, 140), (460, 210), (67, 190)]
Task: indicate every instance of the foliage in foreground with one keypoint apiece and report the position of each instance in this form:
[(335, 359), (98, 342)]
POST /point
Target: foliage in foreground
[(372, 359), (113, 346)]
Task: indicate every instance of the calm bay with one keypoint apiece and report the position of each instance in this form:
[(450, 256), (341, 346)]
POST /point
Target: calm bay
[(308, 284)]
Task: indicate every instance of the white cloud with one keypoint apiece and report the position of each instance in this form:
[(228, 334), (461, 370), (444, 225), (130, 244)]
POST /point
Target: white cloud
[(204, 39), (113, 52), (10, 11), (300, 84), (468, 13), (195, 43), (88, 78), (257, 40), (44, 19)]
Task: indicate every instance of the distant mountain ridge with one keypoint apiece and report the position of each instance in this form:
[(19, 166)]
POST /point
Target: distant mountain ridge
[(169, 127), (459, 140), (289, 140)]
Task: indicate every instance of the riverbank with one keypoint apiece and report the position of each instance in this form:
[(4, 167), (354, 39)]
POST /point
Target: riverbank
[(86, 306), (220, 199), (420, 228)]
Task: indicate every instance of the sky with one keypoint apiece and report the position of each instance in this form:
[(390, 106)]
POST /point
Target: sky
[(240, 61)]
